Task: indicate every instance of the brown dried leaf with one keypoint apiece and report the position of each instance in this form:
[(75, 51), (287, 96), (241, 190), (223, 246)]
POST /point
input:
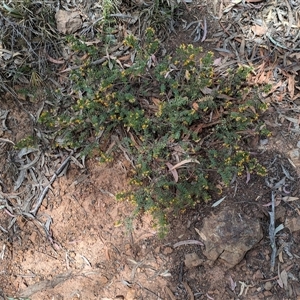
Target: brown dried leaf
[(242, 47), (156, 101), (280, 257), (259, 30), (291, 85), (125, 57), (186, 161), (195, 106), (189, 291)]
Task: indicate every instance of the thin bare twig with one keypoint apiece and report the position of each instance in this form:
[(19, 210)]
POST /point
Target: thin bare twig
[(272, 233), (189, 290), (101, 60)]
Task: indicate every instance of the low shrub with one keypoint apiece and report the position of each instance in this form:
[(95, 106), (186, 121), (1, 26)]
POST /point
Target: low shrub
[(176, 117)]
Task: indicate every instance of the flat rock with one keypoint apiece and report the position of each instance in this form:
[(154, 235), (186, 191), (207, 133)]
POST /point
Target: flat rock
[(68, 21), (292, 223), (192, 260), (228, 235)]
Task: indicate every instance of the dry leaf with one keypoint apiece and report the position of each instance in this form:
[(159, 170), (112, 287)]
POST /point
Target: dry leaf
[(173, 171), (291, 85), (125, 58), (156, 101), (53, 60), (188, 242), (202, 235), (232, 284), (96, 41), (195, 106), (186, 161), (282, 279), (289, 198), (217, 62), (259, 30), (218, 202), (280, 257)]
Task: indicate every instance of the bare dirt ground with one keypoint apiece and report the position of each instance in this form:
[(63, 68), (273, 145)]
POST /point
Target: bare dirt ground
[(95, 249)]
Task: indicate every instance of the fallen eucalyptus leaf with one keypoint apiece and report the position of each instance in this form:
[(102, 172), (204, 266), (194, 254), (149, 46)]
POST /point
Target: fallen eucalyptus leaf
[(218, 202), (186, 161), (289, 198)]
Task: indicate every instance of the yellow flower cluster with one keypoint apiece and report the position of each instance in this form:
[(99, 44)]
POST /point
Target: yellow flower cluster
[(135, 182)]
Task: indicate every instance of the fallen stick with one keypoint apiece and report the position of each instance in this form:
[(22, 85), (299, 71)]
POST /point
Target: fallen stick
[(272, 233)]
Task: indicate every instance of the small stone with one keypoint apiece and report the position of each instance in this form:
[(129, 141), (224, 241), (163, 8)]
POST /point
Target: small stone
[(268, 285), (280, 213), (167, 251), (192, 260), (264, 142), (258, 275), (292, 223), (157, 250), (103, 280), (298, 144)]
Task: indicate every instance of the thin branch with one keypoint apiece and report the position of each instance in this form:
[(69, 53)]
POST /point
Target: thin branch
[(272, 233)]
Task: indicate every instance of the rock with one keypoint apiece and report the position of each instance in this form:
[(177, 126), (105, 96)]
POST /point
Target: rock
[(268, 285), (229, 235), (167, 251), (192, 260), (68, 22), (258, 275), (292, 223), (280, 213)]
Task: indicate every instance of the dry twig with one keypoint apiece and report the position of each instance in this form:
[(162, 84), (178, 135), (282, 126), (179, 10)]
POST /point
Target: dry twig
[(272, 233)]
